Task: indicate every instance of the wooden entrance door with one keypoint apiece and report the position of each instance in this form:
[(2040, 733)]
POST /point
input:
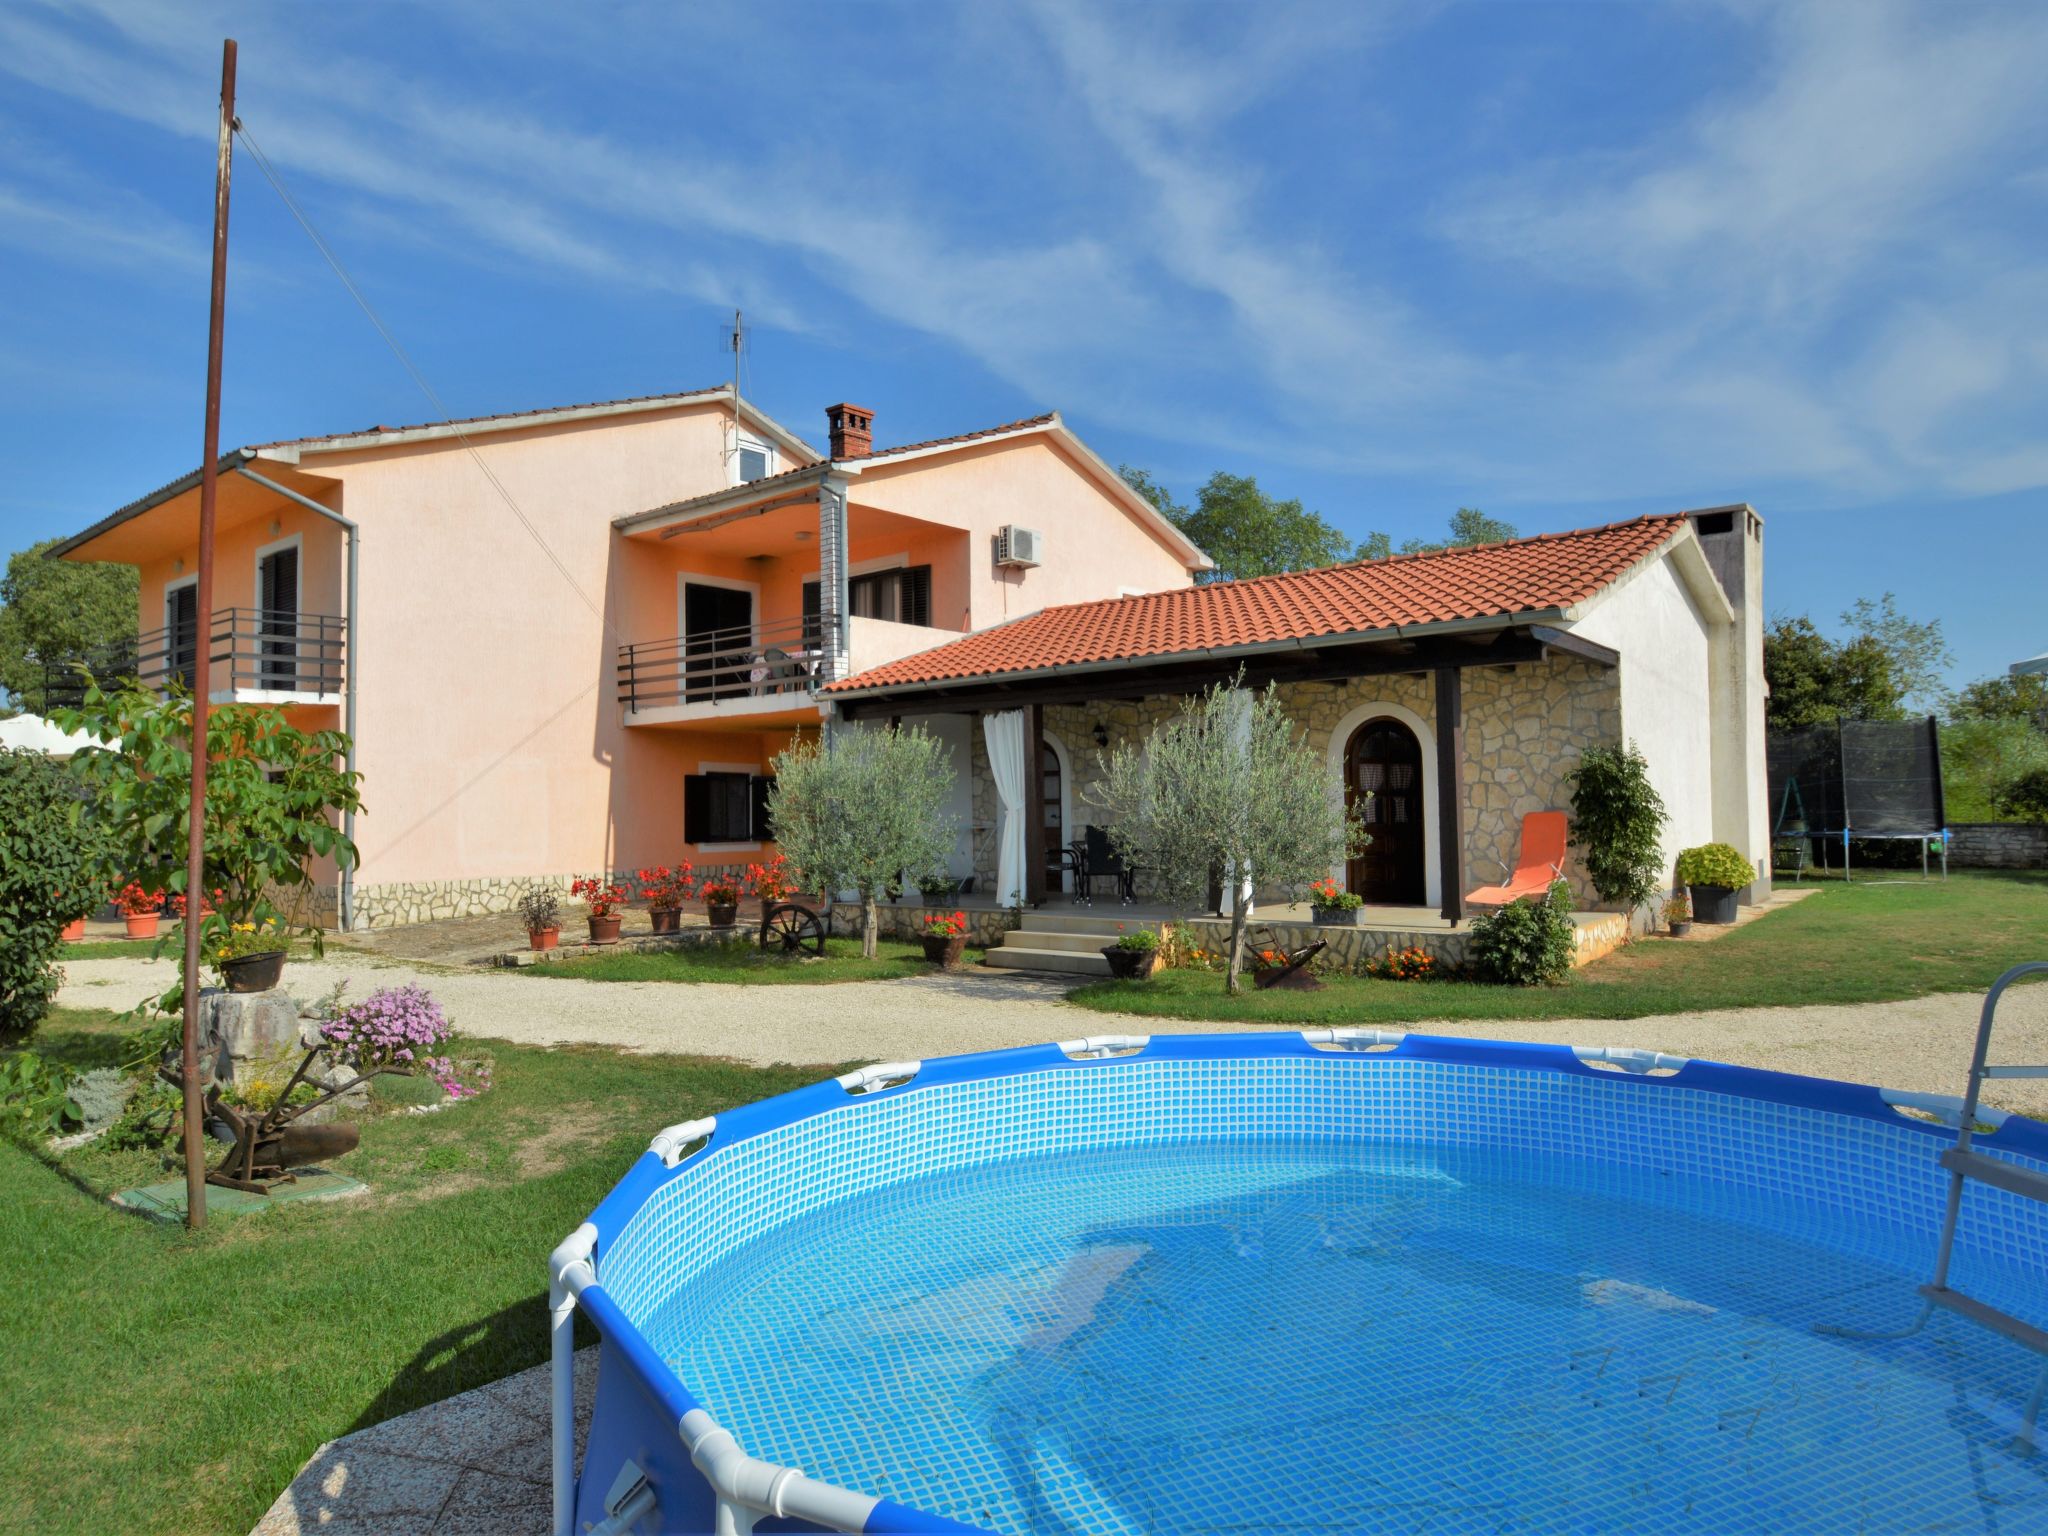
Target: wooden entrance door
[(1383, 761)]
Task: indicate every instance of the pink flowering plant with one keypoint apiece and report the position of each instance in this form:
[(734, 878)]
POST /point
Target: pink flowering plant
[(400, 1030)]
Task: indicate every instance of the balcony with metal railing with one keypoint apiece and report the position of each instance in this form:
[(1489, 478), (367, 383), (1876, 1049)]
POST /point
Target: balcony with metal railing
[(255, 655), (751, 669)]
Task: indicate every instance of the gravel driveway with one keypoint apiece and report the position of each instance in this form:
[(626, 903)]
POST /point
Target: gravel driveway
[(1923, 1043)]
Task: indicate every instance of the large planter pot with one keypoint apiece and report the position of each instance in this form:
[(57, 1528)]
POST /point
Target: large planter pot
[(143, 925), (1713, 903), (1129, 964), (1337, 917), (724, 914), (253, 973), (666, 919), (543, 938), (605, 930), (73, 931), (944, 950)]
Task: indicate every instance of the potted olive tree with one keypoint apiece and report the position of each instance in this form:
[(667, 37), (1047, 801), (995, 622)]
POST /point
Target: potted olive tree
[(1714, 872), (541, 910)]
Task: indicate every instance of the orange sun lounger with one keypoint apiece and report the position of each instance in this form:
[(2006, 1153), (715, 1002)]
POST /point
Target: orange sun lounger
[(1543, 843)]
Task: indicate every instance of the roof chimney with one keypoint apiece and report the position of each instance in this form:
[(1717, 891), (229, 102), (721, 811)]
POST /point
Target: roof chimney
[(853, 430)]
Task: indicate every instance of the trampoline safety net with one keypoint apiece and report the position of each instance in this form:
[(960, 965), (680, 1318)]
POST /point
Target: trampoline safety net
[(1870, 778)]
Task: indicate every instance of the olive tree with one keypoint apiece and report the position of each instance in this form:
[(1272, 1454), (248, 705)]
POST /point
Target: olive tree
[(1228, 784), (856, 811)]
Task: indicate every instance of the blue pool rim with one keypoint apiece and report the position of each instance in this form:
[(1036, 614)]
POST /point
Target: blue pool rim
[(651, 1384)]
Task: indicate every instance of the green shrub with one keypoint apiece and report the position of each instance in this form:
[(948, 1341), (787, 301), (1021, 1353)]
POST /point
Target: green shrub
[(2026, 797), (1526, 943), (51, 870), (1144, 940), (1715, 864), (34, 1096), (1617, 820)]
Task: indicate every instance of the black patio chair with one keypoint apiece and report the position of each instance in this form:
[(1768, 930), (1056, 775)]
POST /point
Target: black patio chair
[(1096, 859)]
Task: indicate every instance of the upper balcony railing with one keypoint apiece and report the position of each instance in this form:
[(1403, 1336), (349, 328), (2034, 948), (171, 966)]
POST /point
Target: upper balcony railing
[(250, 650), (749, 661)]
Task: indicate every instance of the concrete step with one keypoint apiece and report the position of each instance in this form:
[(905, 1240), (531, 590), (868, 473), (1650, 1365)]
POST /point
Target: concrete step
[(1007, 958), (1078, 943), (1103, 921)]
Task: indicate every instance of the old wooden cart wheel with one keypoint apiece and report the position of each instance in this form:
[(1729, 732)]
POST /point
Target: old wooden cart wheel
[(791, 929)]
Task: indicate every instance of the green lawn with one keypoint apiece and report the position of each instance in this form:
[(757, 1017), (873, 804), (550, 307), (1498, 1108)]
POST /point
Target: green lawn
[(1845, 944), (746, 963), (111, 949), (161, 1382)]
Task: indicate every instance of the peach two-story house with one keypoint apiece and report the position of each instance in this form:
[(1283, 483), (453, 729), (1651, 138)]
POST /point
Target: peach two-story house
[(575, 639)]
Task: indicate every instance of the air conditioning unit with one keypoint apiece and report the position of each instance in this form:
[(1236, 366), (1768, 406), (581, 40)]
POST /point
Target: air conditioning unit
[(1019, 546)]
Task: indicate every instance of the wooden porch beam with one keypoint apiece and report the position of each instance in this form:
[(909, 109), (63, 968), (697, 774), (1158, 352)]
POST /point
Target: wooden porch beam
[(1576, 645), (1450, 789), (1034, 804), (1166, 678)]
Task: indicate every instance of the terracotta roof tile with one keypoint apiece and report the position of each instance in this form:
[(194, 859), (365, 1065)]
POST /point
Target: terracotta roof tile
[(1518, 577)]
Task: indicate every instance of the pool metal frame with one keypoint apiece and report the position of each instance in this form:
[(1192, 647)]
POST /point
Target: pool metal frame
[(745, 1488)]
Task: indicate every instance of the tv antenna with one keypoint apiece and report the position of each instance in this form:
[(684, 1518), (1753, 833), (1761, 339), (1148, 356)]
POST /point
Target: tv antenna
[(736, 338)]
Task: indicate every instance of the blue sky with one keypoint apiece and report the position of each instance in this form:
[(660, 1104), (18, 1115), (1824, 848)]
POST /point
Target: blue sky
[(1563, 262)]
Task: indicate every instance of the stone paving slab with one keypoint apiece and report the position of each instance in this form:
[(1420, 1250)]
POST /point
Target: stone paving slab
[(471, 1464)]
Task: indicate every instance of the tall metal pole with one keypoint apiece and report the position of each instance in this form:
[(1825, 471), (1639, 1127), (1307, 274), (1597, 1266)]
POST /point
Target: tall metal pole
[(202, 654)]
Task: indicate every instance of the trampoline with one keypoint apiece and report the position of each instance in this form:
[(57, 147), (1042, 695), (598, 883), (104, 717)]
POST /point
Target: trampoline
[(1858, 780)]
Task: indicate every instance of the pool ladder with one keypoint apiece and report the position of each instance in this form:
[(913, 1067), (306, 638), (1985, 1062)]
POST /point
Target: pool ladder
[(1965, 1163)]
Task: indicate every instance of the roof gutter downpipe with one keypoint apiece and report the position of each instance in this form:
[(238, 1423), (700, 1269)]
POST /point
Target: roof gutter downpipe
[(345, 906)]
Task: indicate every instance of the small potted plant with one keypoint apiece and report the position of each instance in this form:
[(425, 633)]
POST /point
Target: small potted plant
[(1334, 907), (249, 955), (541, 910), (722, 903), (604, 896), (665, 890), (140, 909), (944, 935), (771, 882), (937, 886), (1714, 872), (1678, 914), (1134, 955)]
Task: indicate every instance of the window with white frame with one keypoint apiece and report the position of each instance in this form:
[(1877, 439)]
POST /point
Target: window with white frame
[(752, 460)]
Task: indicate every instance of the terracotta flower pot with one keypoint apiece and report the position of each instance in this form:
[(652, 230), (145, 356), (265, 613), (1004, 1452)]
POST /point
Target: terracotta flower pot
[(1129, 964), (605, 930), (944, 950), (142, 925), (253, 973), (73, 931), (724, 914), (543, 938), (666, 919)]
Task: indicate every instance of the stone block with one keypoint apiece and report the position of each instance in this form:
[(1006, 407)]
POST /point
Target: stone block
[(257, 1026)]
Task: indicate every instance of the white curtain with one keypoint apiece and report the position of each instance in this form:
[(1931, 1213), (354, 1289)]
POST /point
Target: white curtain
[(1005, 735)]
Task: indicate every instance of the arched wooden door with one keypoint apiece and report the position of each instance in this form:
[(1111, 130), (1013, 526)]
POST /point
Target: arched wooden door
[(1383, 760), (1055, 822)]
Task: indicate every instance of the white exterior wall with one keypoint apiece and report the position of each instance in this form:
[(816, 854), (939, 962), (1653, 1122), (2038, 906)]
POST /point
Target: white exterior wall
[(1667, 650)]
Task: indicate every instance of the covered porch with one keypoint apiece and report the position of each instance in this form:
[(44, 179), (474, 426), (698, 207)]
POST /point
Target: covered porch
[(1441, 741)]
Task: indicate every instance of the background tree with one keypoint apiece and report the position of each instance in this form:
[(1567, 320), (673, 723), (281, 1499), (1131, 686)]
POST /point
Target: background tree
[(1226, 785), (59, 612), (273, 794), (862, 813), (1885, 663), (2004, 698), (52, 869), (1468, 526), (1994, 750)]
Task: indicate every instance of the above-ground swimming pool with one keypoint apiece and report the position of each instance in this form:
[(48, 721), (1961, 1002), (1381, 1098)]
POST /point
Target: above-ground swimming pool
[(1342, 1281)]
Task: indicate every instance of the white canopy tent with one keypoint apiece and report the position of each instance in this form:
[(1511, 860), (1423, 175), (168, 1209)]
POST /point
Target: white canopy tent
[(32, 733)]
